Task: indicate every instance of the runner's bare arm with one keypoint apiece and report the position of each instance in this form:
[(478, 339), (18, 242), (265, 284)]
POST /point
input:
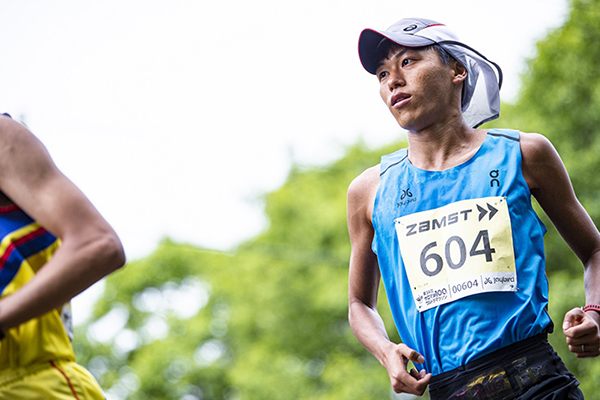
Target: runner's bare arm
[(367, 325), (549, 182), (90, 248)]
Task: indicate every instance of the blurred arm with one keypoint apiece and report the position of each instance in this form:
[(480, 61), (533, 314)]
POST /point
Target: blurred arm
[(549, 182), (90, 248), (365, 321)]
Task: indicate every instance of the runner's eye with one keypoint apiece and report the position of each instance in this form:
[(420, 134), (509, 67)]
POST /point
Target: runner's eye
[(406, 61)]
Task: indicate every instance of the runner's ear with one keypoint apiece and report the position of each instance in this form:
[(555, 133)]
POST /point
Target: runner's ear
[(460, 72)]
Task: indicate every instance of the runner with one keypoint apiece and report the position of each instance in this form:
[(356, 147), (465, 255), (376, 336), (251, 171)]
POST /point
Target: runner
[(54, 244), (447, 223)]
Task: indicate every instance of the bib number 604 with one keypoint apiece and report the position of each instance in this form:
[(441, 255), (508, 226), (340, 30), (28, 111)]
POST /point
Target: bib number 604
[(481, 246)]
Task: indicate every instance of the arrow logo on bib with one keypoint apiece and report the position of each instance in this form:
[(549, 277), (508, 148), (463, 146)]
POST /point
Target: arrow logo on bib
[(482, 211)]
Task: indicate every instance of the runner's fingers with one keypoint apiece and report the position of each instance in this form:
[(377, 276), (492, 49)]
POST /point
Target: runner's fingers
[(406, 383), (586, 329), (577, 348), (589, 339), (573, 318), (418, 374), (403, 382), (585, 350), (402, 388), (587, 354), (411, 354)]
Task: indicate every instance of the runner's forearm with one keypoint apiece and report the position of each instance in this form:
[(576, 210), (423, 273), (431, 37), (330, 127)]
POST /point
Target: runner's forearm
[(73, 269), (369, 329)]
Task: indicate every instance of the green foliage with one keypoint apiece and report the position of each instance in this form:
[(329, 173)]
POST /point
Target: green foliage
[(162, 352), (269, 320), (273, 323)]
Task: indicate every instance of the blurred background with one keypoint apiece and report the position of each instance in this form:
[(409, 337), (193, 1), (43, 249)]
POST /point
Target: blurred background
[(219, 139)]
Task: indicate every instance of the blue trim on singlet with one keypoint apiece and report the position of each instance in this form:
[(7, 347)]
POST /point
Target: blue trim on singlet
[(456, 333), (21, 247)]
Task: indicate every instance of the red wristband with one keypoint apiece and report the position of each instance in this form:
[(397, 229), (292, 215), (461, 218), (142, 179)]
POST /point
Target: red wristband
[(593, 307)]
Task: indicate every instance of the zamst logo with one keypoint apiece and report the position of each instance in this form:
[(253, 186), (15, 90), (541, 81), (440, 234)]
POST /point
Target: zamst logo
[(406, 197), (432, 224)]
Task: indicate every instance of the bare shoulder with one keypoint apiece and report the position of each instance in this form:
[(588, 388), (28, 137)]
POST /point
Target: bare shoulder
[(540, 160), (535, 147), (24, 160), (11, 130), (30, 179), (365, 183), (362, 191), (16, 140)]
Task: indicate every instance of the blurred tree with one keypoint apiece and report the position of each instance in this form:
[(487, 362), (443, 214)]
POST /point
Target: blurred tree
[(269, 320), (171, 324)]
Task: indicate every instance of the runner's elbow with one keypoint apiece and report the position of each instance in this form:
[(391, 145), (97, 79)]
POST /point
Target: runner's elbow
[(357, 307), (110, 252)]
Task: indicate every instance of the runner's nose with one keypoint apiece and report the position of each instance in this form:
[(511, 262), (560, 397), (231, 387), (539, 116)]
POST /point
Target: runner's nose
[(396, 80)]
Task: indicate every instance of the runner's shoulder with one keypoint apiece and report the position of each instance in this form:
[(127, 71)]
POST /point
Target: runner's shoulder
[(535, 146), (362, 190), (365, 182), (540, 161), (11, 130)]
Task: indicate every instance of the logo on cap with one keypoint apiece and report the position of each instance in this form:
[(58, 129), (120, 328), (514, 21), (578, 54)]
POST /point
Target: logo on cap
[(410, 28)]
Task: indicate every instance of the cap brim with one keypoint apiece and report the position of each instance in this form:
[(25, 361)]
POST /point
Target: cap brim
[(369, 40)]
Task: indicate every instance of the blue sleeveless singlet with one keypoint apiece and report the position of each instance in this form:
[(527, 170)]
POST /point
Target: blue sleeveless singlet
[(431, 223)]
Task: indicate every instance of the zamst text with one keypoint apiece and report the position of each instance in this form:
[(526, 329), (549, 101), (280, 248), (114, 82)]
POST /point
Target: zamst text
[(433, 224)]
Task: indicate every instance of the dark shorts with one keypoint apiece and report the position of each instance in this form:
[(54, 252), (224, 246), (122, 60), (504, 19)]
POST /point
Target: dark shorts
[(527, 370)]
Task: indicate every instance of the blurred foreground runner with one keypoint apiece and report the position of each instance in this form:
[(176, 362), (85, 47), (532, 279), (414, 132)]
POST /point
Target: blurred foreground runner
[(54, 244), (447, 223)]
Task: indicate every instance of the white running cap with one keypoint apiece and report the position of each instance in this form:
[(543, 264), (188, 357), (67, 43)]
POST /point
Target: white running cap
[(481, 89)]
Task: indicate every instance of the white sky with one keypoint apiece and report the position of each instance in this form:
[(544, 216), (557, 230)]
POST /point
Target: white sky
[(175, 116)]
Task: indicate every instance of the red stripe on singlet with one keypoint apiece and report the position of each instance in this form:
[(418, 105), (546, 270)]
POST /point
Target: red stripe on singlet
[(11, 247), (67, 378)]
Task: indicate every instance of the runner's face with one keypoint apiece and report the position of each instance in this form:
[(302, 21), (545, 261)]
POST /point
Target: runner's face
[(418, 88)]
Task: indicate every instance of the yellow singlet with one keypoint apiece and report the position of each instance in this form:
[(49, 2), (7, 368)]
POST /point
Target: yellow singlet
[(36, 358)]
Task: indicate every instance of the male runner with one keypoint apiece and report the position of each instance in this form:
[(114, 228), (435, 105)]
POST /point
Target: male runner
[(53, 245), (448, 225)]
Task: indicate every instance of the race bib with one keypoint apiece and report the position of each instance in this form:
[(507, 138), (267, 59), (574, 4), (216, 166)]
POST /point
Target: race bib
[(458, 250)]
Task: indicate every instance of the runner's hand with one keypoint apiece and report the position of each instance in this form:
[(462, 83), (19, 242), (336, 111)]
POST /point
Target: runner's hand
[(402, 380), (582, 332)]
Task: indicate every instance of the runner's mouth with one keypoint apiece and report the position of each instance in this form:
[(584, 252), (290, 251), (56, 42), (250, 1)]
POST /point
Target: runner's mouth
[(400, 99)]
